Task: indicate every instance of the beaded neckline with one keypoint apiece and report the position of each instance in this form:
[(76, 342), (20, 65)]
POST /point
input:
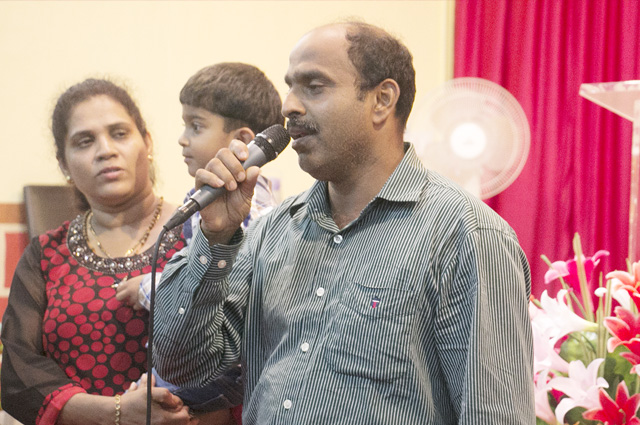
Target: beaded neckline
[(84, 255)]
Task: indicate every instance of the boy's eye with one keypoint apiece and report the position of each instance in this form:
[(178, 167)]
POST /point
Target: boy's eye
[(196, 126)]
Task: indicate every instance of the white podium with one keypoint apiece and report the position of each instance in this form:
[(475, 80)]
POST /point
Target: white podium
[(623, 98)]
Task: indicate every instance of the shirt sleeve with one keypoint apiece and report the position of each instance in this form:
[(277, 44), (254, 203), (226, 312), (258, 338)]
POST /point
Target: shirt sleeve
[(30, 380), (262, 203), (144, 292), (484, 333), (199, 319)]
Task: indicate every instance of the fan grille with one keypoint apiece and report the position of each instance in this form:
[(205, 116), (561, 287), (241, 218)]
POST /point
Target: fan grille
[(484, 165)]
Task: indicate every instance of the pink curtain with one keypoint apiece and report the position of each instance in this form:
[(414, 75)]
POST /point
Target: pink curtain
[(577, 176)]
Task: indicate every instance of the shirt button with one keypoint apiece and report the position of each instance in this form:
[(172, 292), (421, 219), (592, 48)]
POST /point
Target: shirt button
[(287, 404), (337, 239), (304, 347), (181, 310), (203, 259), (222, 264), (320, 292)]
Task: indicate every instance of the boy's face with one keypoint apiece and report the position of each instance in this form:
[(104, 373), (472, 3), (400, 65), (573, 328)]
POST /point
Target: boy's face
[(202, 138)]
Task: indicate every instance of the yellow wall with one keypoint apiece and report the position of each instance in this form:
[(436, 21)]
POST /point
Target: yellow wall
[(153, 47)]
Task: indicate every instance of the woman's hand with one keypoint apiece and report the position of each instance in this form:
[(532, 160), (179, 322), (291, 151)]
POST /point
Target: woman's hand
[(166, 408)]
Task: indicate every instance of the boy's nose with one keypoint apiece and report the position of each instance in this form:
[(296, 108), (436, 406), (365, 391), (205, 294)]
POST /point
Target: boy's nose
[(183, 141)]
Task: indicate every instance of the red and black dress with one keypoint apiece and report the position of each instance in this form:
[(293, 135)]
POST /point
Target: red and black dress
[(63, 330)]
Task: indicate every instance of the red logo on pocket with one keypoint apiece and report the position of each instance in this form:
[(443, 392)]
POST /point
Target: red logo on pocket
[(374, 302)]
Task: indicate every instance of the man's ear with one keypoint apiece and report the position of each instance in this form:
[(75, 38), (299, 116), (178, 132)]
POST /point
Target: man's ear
[(243, 133), (386, 98)]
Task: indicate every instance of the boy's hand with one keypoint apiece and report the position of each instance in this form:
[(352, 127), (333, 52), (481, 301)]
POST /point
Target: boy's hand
[(221, 218), (127, 291)]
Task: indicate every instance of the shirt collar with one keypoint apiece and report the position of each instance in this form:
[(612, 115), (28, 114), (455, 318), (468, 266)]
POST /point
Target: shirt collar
[(405, 184)]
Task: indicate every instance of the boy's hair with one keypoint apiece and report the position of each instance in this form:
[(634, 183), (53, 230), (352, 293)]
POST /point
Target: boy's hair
[(238, 92)]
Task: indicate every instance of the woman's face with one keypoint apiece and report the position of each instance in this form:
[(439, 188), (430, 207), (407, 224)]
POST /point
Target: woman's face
[(105, 154)]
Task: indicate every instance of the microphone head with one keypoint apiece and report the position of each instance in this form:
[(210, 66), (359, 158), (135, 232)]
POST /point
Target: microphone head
[(277, 138)]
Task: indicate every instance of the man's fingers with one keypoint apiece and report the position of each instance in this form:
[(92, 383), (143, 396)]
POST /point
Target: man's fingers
[(164, 397), (215, 174)]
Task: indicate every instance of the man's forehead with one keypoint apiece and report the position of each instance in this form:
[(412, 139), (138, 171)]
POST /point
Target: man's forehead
[(319, 52), (327, 40)]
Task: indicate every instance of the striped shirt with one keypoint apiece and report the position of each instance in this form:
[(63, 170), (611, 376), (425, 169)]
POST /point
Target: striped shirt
[(414, 313), (262, 203)]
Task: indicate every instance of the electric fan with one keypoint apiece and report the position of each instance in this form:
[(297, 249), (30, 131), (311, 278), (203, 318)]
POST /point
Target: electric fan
[(474, 132)]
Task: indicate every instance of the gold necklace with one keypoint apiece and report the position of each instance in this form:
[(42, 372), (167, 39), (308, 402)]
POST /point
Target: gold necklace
[(135, 248)]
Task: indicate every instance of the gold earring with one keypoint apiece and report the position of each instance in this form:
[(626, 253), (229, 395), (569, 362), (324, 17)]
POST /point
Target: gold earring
[(150, 157)]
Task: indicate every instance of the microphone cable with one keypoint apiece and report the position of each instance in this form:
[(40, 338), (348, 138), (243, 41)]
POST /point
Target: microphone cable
[(152, 302)]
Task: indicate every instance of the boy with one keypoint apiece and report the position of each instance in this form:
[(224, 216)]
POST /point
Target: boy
[(220, 103)]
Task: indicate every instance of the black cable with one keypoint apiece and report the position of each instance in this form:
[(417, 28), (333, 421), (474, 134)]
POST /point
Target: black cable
[(152, 302)]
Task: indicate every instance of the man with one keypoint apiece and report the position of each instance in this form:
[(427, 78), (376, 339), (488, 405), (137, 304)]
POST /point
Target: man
[(382, 295)]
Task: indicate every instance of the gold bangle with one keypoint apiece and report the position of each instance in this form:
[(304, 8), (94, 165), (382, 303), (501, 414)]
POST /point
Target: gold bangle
[(117, 409)]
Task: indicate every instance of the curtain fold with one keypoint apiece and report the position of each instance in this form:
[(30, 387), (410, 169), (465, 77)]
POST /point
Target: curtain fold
[(577, 177)]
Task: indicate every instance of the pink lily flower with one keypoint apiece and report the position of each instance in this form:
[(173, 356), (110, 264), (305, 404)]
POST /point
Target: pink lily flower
[(541, 391), (545, 355), (559, 320), (629, 281), (621, 411), (625, 328), (581, 387), (568, 270)]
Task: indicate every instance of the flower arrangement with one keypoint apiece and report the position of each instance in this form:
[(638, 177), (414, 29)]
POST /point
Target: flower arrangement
[(587, 344)]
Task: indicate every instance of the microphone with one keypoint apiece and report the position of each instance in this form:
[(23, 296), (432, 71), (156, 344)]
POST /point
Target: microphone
[(265, 147)]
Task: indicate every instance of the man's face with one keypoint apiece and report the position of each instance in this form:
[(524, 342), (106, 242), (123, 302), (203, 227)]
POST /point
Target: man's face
[(329, 124), (202, 138)]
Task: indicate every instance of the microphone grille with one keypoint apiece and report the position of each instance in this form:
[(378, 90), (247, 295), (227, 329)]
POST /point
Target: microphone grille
[(277, 136)]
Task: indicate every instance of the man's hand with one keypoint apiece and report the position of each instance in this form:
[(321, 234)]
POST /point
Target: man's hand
[(221, 218)]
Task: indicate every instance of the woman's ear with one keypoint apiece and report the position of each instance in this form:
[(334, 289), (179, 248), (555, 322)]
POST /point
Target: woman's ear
[(65, 172), (243, 133), (386, 98), (148, 141)]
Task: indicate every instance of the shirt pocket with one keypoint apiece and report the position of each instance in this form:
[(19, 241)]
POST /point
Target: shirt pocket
[(369, 335)]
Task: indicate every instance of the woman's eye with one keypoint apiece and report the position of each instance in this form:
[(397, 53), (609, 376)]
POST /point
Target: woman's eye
[(119, 134), (84, 141)]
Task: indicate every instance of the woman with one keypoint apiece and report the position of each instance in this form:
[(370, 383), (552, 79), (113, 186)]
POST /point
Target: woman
[(71, 349)]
